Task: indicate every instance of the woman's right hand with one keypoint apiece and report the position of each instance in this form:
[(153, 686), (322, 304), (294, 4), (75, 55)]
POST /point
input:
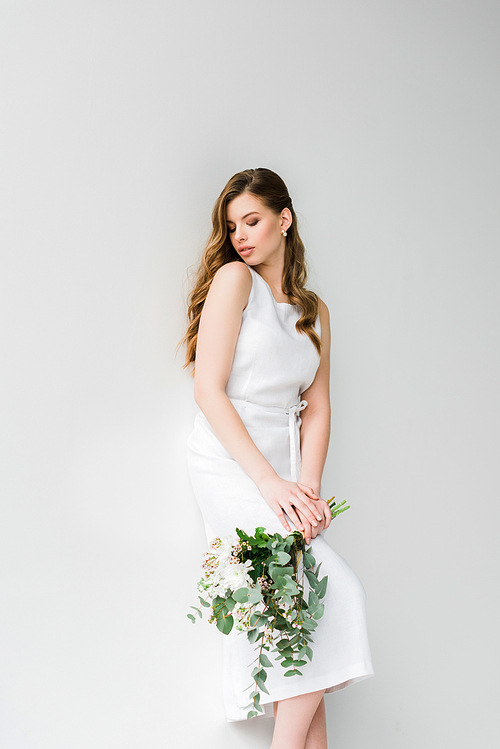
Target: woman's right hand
[(285, 497)]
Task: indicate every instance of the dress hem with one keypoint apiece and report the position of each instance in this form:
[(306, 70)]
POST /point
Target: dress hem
[(340, 681)]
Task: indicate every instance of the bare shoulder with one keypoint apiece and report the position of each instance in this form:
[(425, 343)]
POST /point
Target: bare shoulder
[(234, 273), (232, 281)]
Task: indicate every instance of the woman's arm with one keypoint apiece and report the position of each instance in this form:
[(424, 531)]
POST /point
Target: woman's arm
[(217, 336), (315, 429)]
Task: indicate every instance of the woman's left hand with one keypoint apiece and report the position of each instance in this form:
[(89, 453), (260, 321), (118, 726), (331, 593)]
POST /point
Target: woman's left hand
[(311, 531)]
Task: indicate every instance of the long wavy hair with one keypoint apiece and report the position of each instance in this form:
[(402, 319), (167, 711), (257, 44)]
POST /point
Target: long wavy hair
[(268, 187)]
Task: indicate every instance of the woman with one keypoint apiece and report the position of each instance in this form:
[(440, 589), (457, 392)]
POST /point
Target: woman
[(260, 342)]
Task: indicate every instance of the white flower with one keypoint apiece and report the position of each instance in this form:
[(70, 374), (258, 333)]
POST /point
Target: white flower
[(222, 570)]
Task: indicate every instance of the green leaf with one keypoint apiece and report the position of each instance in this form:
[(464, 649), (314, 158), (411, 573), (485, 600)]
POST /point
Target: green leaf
[(281, 644), (309, 625), (264, 660), (313, 580), (262, 686), (321, 587), (256, 699), (190, 616), (277, 572), (309, 560), (252, 714), (319, 611), (225, 624), (313, 599), (292, 672), (241, 595), (254, 595), (253, 635), (256, 619), (203, 602), (298, 664), (287, 662), (230, 604), (309, 653), (283, 557)]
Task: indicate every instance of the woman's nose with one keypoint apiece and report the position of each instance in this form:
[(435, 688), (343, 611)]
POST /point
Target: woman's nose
[(240, 234)]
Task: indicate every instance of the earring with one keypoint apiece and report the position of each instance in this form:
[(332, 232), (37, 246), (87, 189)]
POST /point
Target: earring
[(284, 233)]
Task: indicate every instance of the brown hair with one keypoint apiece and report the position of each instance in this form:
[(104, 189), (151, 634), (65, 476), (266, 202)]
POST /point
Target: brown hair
[(272, 191)]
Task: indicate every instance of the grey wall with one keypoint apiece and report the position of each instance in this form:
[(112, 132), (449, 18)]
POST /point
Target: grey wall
[(122, 121)]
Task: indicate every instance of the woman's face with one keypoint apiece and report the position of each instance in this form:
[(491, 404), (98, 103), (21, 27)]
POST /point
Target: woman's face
[(255, 230)]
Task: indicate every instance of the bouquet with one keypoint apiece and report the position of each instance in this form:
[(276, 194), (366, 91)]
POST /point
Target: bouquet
[(256, 585)]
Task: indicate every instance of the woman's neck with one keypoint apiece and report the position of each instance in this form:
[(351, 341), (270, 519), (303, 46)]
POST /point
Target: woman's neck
[(272, 275)]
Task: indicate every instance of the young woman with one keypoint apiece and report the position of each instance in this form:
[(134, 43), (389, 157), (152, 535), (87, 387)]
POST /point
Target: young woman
[(260, 342)]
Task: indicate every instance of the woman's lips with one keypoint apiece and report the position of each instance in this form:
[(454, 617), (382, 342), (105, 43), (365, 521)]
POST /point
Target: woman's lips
[(246, 251)]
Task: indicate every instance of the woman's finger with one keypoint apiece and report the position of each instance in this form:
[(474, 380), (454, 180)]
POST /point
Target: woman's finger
[(308, 533), (311, 506), (307, 490), (290, 511), (282, 517), (309, 516)]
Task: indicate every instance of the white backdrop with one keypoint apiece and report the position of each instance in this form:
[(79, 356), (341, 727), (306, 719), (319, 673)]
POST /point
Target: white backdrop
[(121, 123)]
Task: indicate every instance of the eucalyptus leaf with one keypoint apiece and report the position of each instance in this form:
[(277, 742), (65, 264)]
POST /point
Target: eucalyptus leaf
[(253, 635), (320, 610), (256, 619), (262, 686), (281, 644), (283, 557), (241, 595), (313, 580), (321, 587), (313, 599), (254, 595), (225, 624), (308, 560), (264, 660)]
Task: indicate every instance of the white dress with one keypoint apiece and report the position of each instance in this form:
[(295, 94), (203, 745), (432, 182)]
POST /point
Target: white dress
[(273, 365)]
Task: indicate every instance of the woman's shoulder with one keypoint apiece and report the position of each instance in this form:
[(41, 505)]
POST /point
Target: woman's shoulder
[(235, 272), (233, 279)]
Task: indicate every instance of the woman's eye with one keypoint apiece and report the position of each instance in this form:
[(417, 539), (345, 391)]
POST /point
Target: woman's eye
[(231, 231), (253, 223)]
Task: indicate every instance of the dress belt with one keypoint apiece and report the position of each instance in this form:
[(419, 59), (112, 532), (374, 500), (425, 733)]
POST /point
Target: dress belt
[(294, 422)]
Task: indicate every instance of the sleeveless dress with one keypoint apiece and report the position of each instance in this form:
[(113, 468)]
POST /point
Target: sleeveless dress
[(273, 365)]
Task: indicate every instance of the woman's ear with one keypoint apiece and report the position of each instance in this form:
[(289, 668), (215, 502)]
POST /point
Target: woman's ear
[(286, 219)]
